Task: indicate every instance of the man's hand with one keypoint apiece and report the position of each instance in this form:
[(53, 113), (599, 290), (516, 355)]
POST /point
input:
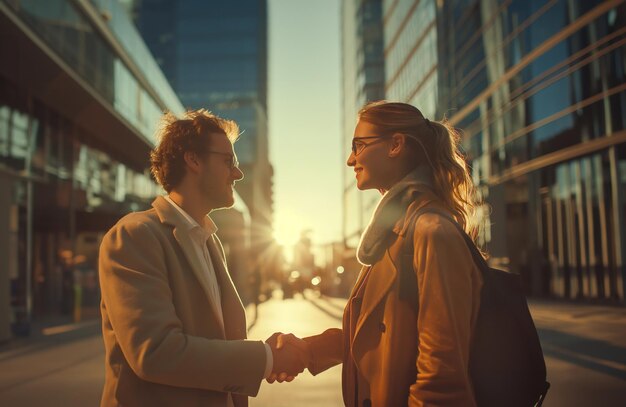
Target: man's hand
[(291, 357)]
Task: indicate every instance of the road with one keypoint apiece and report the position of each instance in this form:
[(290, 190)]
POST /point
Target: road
[(585, 348)]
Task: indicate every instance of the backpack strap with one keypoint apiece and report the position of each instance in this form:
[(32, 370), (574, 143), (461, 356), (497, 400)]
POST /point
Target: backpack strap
[(478, 258), (408, 290)]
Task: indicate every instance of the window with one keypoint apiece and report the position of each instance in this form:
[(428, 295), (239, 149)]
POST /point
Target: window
[(5, 125)]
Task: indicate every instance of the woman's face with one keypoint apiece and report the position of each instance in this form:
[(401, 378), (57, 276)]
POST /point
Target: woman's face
[(373, 166)]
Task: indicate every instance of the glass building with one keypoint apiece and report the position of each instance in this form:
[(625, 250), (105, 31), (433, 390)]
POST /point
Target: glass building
[(410, 37), (80, 97), (539, 90), (214, 53), (363, 73)]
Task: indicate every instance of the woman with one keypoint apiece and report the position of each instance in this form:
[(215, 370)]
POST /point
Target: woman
[(400, 349)]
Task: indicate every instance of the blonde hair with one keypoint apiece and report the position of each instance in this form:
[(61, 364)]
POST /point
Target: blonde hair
[(437, 143)]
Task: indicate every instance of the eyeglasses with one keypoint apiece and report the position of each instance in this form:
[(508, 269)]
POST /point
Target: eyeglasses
[(358, 146), (232, 162)]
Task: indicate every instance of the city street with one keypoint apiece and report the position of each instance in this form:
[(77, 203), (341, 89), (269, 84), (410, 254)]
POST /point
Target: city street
[(306, 130), (585, 348)]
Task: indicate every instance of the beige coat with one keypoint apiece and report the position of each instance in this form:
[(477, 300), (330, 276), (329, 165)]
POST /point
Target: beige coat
[(396, 357), (164, 343)]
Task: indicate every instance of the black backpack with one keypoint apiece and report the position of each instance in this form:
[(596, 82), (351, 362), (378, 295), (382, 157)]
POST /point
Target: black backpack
[(506, 361)]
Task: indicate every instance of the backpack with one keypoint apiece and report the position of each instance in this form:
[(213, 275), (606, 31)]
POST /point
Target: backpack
[(506, 363)]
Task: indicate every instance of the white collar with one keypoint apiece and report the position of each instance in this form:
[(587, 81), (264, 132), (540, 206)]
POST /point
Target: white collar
[(209, 226)]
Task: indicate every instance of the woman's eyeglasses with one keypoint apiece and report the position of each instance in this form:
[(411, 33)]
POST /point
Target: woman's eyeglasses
[(358, 146)]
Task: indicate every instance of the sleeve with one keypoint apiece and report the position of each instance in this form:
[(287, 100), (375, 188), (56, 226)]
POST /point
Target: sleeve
[(443, 266), (326, 350), (269, 361), (138, 302)]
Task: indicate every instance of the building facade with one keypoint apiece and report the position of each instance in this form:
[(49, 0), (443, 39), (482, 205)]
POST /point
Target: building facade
[(214, 54), (539, 90), (80, 98)]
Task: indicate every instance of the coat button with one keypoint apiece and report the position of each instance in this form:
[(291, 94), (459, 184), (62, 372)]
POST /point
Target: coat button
[(382, 327), (367, 403)]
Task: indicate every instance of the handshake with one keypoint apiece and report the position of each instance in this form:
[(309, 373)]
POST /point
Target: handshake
[(291, 356)]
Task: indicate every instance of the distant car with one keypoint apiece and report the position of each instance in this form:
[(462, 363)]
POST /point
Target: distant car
[(297, 283)]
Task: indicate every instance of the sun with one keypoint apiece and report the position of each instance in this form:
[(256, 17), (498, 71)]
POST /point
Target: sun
[(288, 228)]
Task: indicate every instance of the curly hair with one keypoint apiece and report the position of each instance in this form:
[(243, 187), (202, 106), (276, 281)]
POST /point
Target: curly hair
[(176, 136), (436, 143)]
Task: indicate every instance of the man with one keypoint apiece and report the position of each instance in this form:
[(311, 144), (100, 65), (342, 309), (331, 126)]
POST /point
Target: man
[(173, 324)]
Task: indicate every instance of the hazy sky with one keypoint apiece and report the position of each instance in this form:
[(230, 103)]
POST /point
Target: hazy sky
[(304, 118)]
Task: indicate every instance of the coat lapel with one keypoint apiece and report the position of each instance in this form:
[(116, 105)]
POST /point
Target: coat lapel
[(168, 214), (384, 272), (359, 280), (381, 278), (232, 308)]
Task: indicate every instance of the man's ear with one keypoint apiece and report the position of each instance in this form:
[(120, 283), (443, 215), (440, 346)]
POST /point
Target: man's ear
[(398, 143), (192, 161)]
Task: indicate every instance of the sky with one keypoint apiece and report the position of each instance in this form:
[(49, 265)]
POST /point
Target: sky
[(304, 112)]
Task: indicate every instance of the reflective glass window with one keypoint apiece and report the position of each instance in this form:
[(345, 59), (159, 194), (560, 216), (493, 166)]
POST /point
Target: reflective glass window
[(19, 144), (5, 125), (38, 146)]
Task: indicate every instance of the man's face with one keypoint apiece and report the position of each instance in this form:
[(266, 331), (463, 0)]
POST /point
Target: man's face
[(219, 172)]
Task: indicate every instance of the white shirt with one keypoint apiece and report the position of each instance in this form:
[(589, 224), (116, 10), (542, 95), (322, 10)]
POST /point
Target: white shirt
[(200, 235)]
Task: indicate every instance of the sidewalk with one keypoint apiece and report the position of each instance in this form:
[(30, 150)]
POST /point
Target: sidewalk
[(584, 347), (589, 335), (49, 332), (301, 317), (61, 364), (585, 350)]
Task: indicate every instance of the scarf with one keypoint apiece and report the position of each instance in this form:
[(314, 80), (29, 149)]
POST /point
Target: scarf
[(391, 207)]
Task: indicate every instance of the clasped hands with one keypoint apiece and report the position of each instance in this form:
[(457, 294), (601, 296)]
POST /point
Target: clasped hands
[(291, 356)]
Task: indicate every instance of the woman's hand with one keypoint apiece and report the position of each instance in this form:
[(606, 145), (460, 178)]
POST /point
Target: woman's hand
[(297, 348)]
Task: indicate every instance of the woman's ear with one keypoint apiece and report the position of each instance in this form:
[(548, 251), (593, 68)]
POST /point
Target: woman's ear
[(398, 144)]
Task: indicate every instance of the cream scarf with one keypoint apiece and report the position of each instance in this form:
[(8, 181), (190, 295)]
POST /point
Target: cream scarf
[(392, 206)]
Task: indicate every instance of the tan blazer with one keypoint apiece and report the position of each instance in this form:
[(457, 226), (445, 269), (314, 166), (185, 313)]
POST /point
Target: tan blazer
[(164, 343), (390, 355)]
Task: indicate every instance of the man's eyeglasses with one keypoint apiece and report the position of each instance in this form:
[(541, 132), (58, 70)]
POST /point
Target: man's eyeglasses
[(358, 146), (232, 162)]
